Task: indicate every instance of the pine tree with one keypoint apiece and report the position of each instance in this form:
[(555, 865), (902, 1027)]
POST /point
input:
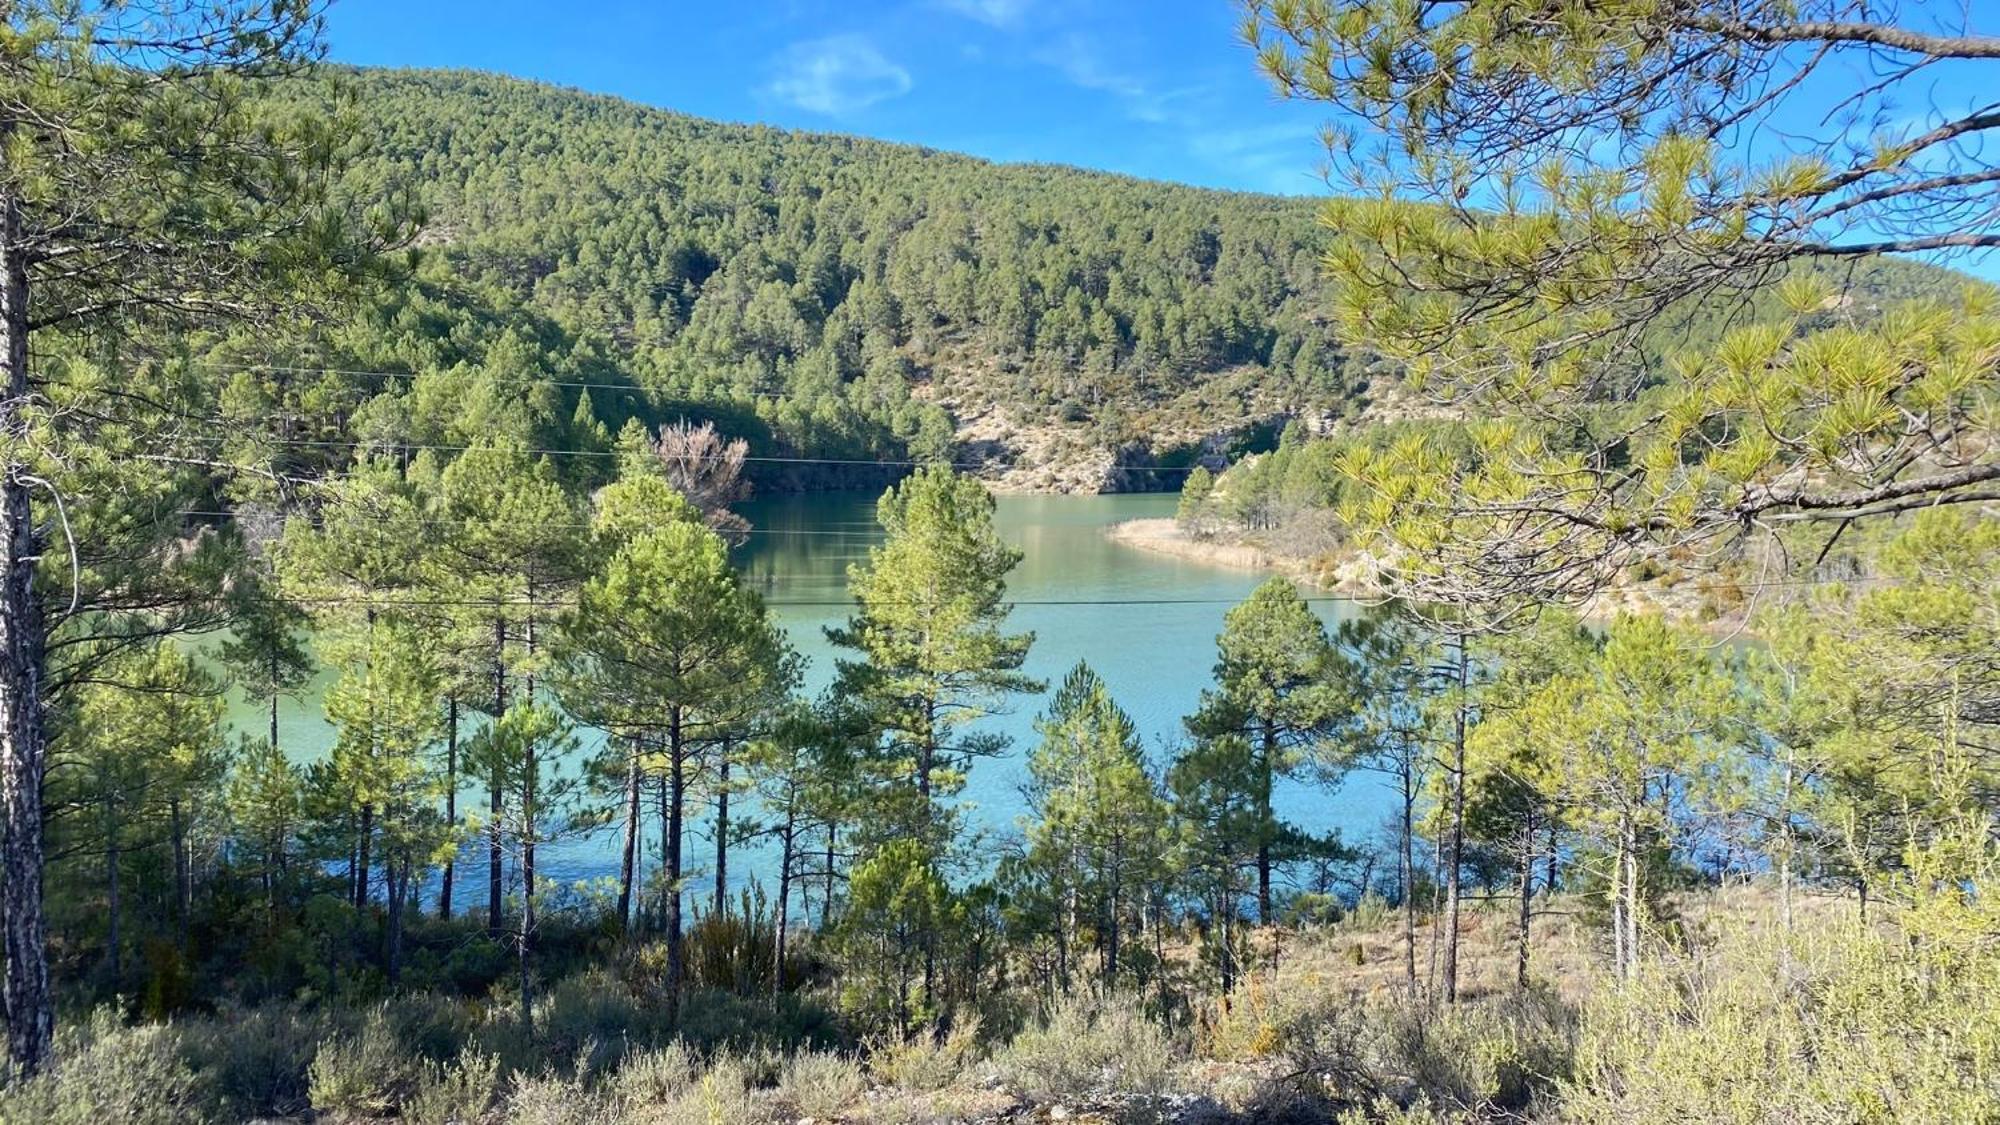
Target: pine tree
[(1283, 689), (388, 709), (513, 552), (1628, 741), (266, 654), (931, 653), (110, 112), (668, 632), (933, 656), (524, 752), (1101, 835), (143, 766)]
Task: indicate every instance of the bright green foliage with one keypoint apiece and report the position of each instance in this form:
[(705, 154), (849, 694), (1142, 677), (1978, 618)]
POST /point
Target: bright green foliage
[(1281, 690), (1628, 743), (266, 804), (668, 647), (1097, 852), (141, 777), (1844, 1021), (929, 640), (266, 654), (386, 709), (1872, 693), (516, 540), (1194, 512), (667, 633), (896, 904), (1546, 205), (1818, 430)]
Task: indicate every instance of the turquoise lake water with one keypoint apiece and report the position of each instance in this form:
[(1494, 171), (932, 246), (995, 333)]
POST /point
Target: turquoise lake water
[(1149, 631)]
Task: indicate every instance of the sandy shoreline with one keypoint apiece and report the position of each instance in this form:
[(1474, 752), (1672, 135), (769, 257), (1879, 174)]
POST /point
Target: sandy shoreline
[(1164, 536)]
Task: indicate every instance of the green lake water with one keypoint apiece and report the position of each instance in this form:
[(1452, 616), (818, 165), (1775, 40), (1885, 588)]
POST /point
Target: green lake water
[(1146, 622)]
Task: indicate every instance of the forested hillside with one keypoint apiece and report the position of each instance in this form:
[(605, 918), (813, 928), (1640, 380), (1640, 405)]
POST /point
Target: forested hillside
[(830, 296), (836, 298)]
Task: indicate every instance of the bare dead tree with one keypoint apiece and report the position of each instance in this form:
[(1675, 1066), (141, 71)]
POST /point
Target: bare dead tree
[(707, 468)]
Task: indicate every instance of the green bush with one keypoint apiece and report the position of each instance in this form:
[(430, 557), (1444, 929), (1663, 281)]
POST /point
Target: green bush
[(1842, 1022), (255, 1063), (370, 1073), (455, 1093), (555, 1100), (108, 1073), (658, 1078), (926, 1060), (1091, 1046), (820, 1084)]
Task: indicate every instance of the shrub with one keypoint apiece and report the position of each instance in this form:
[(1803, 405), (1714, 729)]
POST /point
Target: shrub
[(1105, 1046), (819, 1083), (716, 1021), (555, 1100), (108, 1073), (659, 1077), (1499, 1056), (926, 1061), (596, 1009), (432, 1026), (455, 1093), (1843, 1022), (367, 1074), (255, 1063)]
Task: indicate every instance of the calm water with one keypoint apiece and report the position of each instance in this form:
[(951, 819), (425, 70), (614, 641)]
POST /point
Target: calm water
[(1156, 657)]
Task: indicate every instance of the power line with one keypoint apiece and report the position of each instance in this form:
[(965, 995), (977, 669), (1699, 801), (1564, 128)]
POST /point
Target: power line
[(327, 443), (626, 388), (858, 537), (554, 603)]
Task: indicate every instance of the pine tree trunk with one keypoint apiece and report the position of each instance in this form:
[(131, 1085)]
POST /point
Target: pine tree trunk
[(786, 846), (1408, 861), (495, 889), (628, 862), (361, 848), (1632, 908), (177, 831), (397, 879), (114, 904), (450, 803), (1114, 908), (525, 944), (528, 817), (1265, 769), (1554, 857), (826, 906), (1454, 874), (926, 762), (29, 1006), (676, 811), (722, 833), (1525, 922)]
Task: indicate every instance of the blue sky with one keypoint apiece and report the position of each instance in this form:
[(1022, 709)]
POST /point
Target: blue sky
[(1161, 89)]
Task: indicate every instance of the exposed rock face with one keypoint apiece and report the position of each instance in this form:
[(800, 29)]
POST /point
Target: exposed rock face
[(1015, 457)]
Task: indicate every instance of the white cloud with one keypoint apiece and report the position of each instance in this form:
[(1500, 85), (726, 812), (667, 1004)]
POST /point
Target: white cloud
[(1079, 60), (836, 76), (998, 13), (1279, 157)]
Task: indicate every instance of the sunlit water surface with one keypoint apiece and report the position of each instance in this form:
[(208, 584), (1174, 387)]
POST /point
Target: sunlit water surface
[(1146, 622)]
